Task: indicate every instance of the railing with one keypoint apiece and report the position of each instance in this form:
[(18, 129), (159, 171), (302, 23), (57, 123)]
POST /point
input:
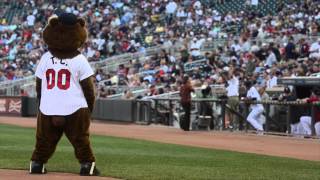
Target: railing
[(176, 94), (281, 122), (140, 91), (12, 88), (115, 61)]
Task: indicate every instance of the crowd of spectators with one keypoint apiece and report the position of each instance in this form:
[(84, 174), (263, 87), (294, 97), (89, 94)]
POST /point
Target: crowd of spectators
[(117, 27), (267, 48)]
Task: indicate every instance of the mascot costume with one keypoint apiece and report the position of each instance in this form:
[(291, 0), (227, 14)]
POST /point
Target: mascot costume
[(65, 90)]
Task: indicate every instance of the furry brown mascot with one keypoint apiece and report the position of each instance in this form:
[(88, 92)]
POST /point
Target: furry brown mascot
[(65, 91)]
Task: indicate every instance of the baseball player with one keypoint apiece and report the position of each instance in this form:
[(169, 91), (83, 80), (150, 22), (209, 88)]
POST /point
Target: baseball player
[(255, 117)]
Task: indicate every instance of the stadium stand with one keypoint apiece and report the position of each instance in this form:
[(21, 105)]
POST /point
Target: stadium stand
[(142, 49), (159, 31)]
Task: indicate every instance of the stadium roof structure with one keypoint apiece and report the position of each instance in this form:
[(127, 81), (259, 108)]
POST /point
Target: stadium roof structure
[(300, 81)]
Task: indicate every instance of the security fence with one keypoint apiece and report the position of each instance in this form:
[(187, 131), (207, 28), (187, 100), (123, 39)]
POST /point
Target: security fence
[(206, 114), (13, 87), (280, 117)]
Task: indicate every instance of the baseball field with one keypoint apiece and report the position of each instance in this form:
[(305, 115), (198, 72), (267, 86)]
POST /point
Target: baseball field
[(144, 152)]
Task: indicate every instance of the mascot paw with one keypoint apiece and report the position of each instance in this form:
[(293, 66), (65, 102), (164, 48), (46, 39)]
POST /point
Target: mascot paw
[(89, 169), (37, 168)]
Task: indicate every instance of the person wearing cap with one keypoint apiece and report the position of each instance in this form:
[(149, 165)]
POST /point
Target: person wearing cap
[(185, 94)]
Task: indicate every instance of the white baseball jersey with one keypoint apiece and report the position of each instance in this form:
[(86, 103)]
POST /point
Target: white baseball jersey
[(253, 93), (61, 93)]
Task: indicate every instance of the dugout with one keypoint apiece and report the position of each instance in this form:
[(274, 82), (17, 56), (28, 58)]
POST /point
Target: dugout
[(302, 86)]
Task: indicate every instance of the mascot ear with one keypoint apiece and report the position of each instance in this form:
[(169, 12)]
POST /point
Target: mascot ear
[(53, 21), (81, 21)]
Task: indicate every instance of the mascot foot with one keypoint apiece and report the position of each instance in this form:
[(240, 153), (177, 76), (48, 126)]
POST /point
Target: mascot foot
[(89, 169), (37, 168)]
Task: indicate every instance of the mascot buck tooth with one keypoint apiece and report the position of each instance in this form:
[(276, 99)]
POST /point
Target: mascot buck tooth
[(65, 91)]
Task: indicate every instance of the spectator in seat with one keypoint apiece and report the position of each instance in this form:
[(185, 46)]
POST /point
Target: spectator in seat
[(2, 76), (304, 48), (315, 49), (290, 50), (271, 59)]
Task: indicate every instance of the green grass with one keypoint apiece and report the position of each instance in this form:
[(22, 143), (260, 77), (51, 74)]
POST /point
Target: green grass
[(136, 159)]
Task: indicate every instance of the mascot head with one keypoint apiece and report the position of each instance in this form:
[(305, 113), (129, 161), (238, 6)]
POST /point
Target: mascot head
[(64, 34)]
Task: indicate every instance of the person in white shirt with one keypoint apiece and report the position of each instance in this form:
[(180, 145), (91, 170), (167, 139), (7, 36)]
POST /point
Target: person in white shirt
[(99, 42), (31, 19), (271, 59), (246, 46), (181, 13), (254, 2), (216, 16), (236, 46), (232, 80), (254, 48), (171, 8), (197, 4), (195, 46), (255, 117), (315, 49), (273, 81), (115, 22)]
